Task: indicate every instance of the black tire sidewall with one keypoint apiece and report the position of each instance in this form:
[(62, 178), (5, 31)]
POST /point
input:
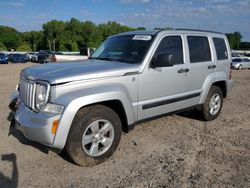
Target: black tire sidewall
[(80, 123), (206, 113)]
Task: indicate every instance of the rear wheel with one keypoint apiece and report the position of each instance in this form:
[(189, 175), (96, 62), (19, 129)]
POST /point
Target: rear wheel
[(94, 135), (213, 104)]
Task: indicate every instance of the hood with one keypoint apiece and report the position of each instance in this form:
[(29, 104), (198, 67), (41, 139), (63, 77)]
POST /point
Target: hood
[(56, 73)]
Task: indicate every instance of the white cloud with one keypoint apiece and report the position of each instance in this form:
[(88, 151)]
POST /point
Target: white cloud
[(218, 15), (15, 4)]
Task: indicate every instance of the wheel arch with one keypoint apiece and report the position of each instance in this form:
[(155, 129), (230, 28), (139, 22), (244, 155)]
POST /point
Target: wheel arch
[(222, 85), (117, 106), (117, 100), (218, 79)]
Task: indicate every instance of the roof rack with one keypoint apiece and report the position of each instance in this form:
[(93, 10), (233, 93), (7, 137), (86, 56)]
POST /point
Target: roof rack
[(198, 30)]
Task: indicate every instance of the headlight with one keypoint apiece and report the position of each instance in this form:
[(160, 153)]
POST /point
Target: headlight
[(42, 94)]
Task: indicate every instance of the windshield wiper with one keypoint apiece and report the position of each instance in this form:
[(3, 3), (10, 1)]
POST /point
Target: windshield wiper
[(105, 58), (130, 61)]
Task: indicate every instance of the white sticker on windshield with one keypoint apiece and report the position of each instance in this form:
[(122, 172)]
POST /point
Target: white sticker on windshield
[(142, 37)]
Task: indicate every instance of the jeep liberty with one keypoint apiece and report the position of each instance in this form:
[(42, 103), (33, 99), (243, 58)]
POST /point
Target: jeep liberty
[(83, 107)]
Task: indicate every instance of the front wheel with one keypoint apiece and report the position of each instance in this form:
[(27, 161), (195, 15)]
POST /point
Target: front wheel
[(94, 135), (213, 104)]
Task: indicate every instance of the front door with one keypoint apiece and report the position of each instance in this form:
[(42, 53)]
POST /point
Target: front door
[(162, 88)]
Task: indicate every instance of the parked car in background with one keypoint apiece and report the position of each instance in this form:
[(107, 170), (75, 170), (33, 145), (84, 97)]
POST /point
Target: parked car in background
[(240, 63), (44, 56), (34, 56), (247, 55), (18, 58), (31, 55), (235, 54), (4, 58), (85, 51)]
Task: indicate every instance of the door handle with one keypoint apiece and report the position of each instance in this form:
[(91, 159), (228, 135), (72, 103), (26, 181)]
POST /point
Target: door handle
[(183, 70), (211, 67)]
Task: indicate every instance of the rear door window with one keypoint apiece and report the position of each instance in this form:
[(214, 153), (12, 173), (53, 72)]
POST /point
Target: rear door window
[(199, 49), (221, 49)]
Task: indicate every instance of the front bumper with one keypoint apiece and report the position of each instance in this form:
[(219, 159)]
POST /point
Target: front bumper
[(36, 126)]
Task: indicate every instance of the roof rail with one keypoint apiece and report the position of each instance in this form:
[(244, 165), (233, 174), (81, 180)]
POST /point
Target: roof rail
[(198, 30)]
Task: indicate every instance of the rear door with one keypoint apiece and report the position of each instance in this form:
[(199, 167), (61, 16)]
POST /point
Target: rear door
[(222, 55), (201, 62)]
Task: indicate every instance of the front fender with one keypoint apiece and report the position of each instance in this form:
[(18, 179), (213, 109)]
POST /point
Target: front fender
[(75, 100)]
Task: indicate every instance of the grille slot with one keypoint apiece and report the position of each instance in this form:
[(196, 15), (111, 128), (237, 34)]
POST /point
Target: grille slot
[(27, 92)]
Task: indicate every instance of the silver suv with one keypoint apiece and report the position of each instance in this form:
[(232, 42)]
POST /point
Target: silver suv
[(84, 107)]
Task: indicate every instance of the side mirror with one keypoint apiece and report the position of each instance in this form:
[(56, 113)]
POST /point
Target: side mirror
[(163, 60)]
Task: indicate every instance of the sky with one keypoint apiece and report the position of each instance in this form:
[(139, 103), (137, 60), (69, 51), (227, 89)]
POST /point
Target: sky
[(217, 15)]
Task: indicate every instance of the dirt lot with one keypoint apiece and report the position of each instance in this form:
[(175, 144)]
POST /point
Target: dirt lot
[(173, 151)]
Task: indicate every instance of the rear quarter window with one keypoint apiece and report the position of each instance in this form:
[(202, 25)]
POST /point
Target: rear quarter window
[(221, 48), (199, 49)]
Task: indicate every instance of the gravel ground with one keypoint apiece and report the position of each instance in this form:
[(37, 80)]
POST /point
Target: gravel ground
[(173, 151)]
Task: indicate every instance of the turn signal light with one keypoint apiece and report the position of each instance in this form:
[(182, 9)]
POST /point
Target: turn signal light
[(54, 126)]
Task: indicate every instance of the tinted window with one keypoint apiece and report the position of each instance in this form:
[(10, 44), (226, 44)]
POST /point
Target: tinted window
[(199, 49), (221, 49), (171, 45)]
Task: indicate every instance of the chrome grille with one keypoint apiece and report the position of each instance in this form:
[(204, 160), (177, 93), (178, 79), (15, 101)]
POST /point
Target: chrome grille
[(27, 92)]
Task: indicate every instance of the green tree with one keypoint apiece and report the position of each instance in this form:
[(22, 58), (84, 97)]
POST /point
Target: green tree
[(234, 39), (140, 28), (24, 48), (53, 34), (74, 47), (33, 38), (245, 45), (111, 28), (92, 37), (70, 35), (10, 37), (2, 47), (74, 26)]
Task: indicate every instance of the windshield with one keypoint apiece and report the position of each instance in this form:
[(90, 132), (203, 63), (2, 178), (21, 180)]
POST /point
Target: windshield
[(126, 48)]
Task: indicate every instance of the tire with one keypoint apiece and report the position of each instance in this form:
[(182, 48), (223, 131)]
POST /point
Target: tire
[(213, 104), (240, 67), (87, 143)]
